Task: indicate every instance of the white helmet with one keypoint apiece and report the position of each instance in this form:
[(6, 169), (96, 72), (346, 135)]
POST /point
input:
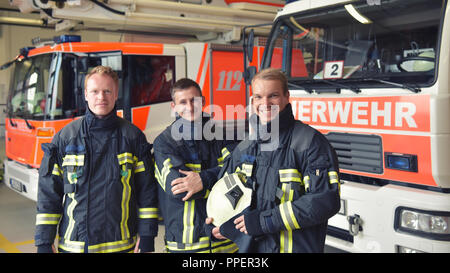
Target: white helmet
[(227, 198)]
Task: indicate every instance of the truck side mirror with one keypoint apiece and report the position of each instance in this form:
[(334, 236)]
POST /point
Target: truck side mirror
[(250, 43), (249, 74)]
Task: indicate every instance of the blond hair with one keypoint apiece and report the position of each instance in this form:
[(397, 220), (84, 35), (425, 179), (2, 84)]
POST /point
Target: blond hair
[(272, 74), (102, 70)]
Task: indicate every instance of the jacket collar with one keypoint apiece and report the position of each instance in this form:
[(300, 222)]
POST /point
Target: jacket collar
[(93, 122), (285, 120)]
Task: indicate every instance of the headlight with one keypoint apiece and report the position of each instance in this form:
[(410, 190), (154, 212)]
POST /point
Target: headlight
[(434, 224)]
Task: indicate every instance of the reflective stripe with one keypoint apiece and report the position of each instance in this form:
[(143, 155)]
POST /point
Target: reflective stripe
[(334, 178), (287, 214), (194, 167), (290, 175), (162, 176), (188, 221), (47, 219), (126, 158), (71, 246), (140, 167), (73, 160), (126, 194), (70, 208), (225, 154), (146, 213), (113, 246), (226, 246), (57, 170), (306, 180), (202, 243)]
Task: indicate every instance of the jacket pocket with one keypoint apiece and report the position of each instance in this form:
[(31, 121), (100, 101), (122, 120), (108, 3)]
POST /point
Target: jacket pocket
[(73, 165)]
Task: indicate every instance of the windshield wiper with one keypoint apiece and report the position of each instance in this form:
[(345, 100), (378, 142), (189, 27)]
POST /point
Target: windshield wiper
[(401, 85), (354, 89)]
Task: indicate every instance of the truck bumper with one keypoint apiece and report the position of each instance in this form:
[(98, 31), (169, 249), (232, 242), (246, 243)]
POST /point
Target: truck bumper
[(21, 179), (376, 208)]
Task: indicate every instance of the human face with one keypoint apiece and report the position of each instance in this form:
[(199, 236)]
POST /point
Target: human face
[(101, 94), (267, 95), (188, 103)]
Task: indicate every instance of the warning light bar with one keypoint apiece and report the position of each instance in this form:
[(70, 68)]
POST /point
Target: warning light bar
[(67, 39)]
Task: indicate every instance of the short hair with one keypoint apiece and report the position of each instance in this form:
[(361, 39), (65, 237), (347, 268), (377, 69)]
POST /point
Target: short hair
[(183, 84), (102, 70), (272, 74)]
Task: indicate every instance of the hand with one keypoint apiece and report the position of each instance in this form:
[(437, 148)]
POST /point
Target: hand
[(191, 183), (240, 224), (216, 231)]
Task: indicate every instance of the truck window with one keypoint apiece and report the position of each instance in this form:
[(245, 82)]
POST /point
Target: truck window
[(151, 78), (399, 43), (29, 86)]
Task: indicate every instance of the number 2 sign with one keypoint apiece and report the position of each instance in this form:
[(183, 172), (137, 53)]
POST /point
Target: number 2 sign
[(333, 70)]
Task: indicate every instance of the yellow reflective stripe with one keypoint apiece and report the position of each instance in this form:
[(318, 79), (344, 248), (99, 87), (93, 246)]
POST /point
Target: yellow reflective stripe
[(287, 214), (188, 221), (113, 246), (47, 219), (146, 213), (202, 243), (57, 170), (225, 153), (306, 180), (207, 194), (126, 158), (226, 246), (70, 208), (194, 167), (333, 177), (290, 175), (140, 167), (73, 160), (162, 176), (126, 195), (71, 246)]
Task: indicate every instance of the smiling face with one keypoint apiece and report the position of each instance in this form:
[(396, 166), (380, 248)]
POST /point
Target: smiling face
[(269, 99), (101, 93), (188, 103)]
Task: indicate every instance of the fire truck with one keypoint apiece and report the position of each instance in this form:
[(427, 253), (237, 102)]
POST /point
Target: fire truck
[(47, 91), (373, 77)]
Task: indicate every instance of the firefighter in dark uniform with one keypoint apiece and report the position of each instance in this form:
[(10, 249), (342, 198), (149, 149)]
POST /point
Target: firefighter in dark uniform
[(96, 180), (186, 166), (293, 172)]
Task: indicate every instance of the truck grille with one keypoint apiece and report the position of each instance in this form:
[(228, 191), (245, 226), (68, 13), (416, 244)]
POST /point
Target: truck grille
[(358, 152)]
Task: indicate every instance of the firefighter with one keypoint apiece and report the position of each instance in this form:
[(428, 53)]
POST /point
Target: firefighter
[(96, 180), (293, 172), (186, 167)]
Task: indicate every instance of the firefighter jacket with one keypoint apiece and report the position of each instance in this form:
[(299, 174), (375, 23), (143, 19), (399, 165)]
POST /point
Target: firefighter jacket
[(96, 182), (182, 146), (295, 187)]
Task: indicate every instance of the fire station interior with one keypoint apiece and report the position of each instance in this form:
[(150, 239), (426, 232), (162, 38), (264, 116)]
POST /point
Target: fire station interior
[(399, 52)]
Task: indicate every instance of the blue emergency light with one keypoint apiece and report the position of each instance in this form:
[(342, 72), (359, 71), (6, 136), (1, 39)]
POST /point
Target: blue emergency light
[(398, 161), (67, 39)]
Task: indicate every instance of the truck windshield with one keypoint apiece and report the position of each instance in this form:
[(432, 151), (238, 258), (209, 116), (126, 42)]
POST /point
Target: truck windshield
[(363, 44), (29, 86)]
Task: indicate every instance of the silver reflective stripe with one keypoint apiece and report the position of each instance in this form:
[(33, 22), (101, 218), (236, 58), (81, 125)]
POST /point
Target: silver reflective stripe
[(113, 246), (47, 219), (290, 175), (71, 246), (126, 158), (146, 213), (188, 221), (73, 160)]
